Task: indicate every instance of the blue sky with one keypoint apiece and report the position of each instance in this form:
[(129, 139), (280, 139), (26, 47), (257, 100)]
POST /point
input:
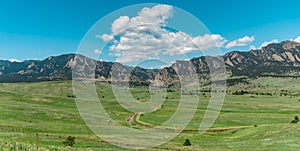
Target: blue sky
[(37, 29)]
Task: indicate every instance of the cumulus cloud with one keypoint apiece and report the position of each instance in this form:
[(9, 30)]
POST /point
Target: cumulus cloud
[(146, 36), (265, 43), (209, 41), (240, 42), (14, 60), (97, 51), (105, 37), (157, 15), (297, 39)]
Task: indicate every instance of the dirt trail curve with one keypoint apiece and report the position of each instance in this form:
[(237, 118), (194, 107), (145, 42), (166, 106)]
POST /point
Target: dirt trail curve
[(135, 117), (130, 118)]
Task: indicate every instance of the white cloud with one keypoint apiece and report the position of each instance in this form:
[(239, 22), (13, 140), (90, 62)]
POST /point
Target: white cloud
[(120, 24), (252, 47), (145, 36), (157, 15), (297, 39), (209, 41), (265, 43), (97, 51), (240, 42), (106, 37), (14, 60)]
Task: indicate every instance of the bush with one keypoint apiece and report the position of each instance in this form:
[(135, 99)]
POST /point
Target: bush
[(71, 96), (70, 141), (296, 120), (240, 92), (187, 142)]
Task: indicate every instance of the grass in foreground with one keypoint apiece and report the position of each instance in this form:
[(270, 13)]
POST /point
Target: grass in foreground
[(246, 122)]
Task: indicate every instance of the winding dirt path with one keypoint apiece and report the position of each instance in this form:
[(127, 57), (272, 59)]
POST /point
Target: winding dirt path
[(135, 117), (130, 119)]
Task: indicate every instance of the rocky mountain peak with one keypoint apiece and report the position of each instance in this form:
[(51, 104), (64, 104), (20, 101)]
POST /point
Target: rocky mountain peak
[(288, 45)]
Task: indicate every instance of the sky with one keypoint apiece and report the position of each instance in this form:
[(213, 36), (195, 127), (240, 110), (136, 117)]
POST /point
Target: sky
[(35, 29)]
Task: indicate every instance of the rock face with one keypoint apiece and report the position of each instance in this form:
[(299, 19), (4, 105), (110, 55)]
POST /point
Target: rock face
[(274, 59), (60, 68), (277, 59)]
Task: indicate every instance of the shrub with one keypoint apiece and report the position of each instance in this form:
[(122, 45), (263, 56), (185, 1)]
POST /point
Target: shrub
[(71, 96), (240, 92), (70, 141), (187, 142), (296, 120)]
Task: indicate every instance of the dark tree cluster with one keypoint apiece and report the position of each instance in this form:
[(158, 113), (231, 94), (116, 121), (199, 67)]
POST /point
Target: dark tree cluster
[(71, 96), (70, 141), (240, 92)]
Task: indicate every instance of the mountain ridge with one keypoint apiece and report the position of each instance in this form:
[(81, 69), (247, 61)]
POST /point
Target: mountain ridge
[(276, 59)]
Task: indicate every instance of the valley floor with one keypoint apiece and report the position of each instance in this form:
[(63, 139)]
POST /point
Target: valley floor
[(257, 120)]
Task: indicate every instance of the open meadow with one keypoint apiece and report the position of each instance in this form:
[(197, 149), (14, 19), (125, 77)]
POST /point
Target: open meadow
[(255, 116)]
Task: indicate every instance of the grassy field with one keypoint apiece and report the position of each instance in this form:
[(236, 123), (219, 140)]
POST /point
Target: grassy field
[(253, 121)]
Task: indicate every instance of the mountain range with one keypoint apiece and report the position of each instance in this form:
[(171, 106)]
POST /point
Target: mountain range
[(276, 59)]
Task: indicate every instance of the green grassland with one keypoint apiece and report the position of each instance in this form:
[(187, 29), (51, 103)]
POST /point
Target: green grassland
[(258, 120)]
